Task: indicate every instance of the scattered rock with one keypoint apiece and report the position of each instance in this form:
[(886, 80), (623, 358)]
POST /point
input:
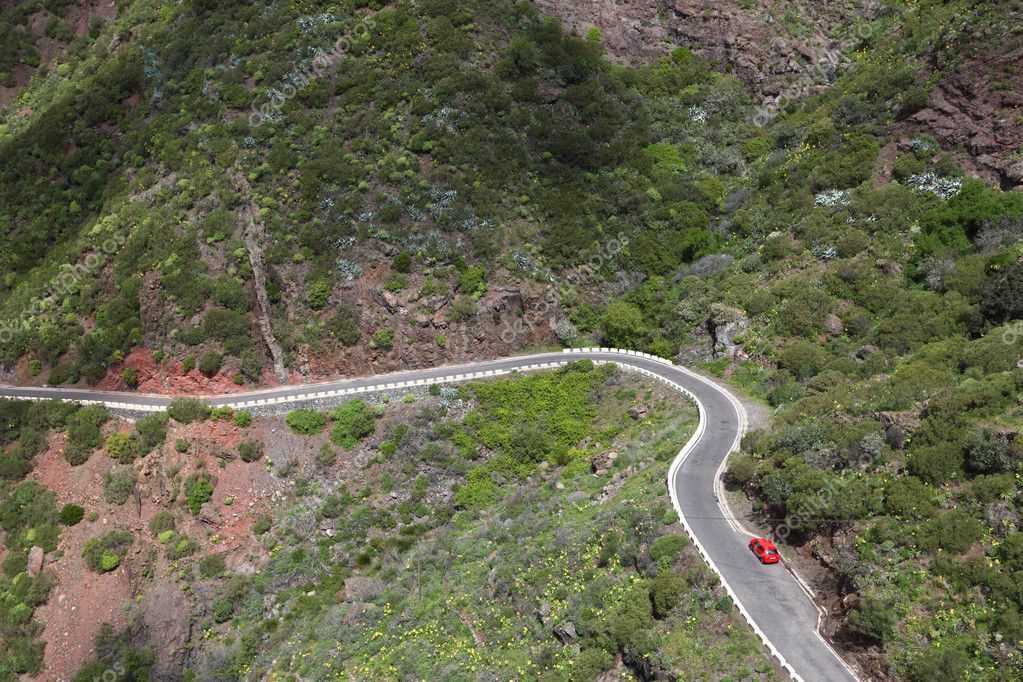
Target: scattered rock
[(600, 463), (566, 633), (833, 325), (35, 561), (897, 426), (358, 588)]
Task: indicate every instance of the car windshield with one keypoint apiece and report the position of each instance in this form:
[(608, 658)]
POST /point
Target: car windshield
[(772, 551)]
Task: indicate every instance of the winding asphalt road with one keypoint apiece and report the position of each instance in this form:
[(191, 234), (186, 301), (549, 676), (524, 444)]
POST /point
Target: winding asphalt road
[(771, 598)]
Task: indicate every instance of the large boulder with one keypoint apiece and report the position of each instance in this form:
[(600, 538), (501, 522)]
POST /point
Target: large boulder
[(36, 556)]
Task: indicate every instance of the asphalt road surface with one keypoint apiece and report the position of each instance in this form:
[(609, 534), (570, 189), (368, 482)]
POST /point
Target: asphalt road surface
[(771, 597)]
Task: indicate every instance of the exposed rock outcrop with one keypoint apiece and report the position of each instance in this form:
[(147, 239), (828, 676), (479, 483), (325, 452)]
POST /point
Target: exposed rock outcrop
[(770, 46)]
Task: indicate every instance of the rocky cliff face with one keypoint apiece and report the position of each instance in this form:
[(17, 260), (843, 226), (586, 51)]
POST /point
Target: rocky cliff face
[(779, 49), (785, 50), (975, 108)]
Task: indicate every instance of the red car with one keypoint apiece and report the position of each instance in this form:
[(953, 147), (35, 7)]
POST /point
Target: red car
[(765, 550)]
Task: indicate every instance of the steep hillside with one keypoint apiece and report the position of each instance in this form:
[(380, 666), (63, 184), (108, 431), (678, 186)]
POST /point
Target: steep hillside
[(202, 197), (514, 528)]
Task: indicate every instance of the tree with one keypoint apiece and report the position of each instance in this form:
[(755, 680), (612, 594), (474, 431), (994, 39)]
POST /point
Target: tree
[(623, 325)]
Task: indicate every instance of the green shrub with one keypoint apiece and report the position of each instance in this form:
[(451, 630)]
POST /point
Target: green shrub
[(953, 531), (212, 566), (589, 664), (243, 419), (666, 593), (332, 507), (152, 431), (83, 427), (382, 339), (352, 422), (250, 450), (402, 262), (104, 553), (223, 610), (62, 374), (121, 447), (319, 294), (623, 325), (665, 550), (210, 363), (874, 617), (188, 410), (909, 497), (161, 522), (130, 377), (479, 490), (119, 484), (76, 455), (936, 464), (262, 524), (71, 514), (199, 490), (326, 457), (344, 325), (987, 452), (306, 422)]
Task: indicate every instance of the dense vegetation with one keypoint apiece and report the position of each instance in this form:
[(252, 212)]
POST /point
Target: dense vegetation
[(878, 312), (430, 585)]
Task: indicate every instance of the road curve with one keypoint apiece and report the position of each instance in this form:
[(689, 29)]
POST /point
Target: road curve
[(770, 598)]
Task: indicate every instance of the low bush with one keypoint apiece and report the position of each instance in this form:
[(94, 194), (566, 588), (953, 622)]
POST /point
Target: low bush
[(306, 422), (188, 410), (666, 593), (104, 553), (250, 450), (161, 522), (119, 484), (212, 566), (199, 490), (352, 422), (71, 514)]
